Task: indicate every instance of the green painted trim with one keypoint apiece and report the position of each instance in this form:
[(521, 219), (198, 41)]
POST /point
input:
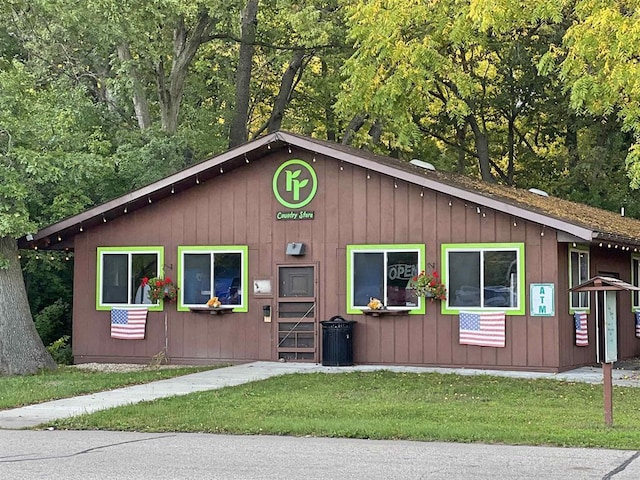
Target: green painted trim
[(242, 249), (578, 248), (419, 247), (137, 249), (519, 247), (314, 187)]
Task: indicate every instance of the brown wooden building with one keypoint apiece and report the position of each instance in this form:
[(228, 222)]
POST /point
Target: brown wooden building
[(288, 231)]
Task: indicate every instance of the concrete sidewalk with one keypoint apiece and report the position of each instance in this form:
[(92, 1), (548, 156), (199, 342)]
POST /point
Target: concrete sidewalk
[(33, 415)]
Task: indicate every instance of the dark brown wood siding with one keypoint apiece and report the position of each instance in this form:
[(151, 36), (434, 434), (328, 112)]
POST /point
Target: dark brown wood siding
[(352, 206)]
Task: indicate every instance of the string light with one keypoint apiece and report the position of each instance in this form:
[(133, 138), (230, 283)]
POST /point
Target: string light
[(515, 224), (126, 210), (104, 220), (289, 148), (59, 238), (197, 180), (221, 170), (450, 203), (422, 192), (368, 175), (478, 210), (81, 229), (314, 158), (395, 184), (149, 199), (246, 159), (173, 190), (268, 146)]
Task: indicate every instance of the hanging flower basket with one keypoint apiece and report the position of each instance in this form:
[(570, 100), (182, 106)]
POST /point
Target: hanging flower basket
[(161, 289), (429, 286)]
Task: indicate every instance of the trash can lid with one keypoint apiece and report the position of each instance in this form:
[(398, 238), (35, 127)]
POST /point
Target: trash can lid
[(337, 319)]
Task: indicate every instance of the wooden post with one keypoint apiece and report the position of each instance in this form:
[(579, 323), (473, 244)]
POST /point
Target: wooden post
[(608, 393)]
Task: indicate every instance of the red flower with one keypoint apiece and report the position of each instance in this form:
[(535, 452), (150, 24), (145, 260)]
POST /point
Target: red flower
[(415, 279), (144, 281), (167, 280), (159, 283)]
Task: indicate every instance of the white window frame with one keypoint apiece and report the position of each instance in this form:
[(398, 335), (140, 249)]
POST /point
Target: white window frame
[(214, 250), (635, 281), (584, 250), (352, 250), (129, 251), (519, 296)]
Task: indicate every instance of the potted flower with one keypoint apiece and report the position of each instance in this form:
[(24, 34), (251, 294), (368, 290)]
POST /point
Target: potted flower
[(161, 289), (429, 286)]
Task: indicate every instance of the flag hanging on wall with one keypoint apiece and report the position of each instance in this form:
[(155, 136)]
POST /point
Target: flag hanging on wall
[(486, 329), (128, 323), (638, 324), (582, 336)]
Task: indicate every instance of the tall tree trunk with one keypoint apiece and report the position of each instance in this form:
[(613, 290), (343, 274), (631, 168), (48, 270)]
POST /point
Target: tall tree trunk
[(238, 133), (512, 149), (185, 46), (286, 89), (482, 149), (461, 134), (21, 349), (571, 141), (355, 124), (140, 103)]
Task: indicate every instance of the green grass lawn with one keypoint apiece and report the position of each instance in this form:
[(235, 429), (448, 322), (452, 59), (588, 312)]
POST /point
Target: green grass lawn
[(385, 405), (17, 391)]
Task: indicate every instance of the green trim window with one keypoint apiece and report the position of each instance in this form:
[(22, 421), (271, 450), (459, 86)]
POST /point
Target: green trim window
[(485, 276), (635, 280), (384, 272), (119, 275), (213, 271), (578, 273)]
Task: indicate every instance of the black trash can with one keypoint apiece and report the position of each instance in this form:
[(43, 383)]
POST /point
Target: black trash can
[(337, 342)]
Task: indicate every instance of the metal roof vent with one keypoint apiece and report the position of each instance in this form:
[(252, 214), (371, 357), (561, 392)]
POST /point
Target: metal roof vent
[(420, 163), (537, 191)]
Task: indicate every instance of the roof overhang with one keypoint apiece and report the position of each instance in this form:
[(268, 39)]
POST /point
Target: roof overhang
[(599, 283)]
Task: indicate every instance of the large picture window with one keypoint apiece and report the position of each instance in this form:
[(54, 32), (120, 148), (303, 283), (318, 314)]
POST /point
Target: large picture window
[(212, 271), (384, 272), (578, 273), (484, 276), (120, 271)]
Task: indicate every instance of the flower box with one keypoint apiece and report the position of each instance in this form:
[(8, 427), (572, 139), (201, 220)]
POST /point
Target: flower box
[(212, 310), (378, 312)]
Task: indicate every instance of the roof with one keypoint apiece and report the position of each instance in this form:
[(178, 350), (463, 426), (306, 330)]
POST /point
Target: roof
[(578, 222), (599, 283)]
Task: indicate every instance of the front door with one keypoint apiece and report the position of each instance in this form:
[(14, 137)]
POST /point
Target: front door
[(296, 313)]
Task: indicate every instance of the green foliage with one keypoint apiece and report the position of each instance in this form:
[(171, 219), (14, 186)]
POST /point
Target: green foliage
[(53, 320), (60, 351)]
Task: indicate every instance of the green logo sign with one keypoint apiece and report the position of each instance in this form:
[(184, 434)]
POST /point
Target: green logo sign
[(295, 183)]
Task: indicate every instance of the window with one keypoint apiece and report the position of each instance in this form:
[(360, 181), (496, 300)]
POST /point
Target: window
[(578, 273), (207, 271), (383, 272), (120, 271), (635, 280), (484, 276)]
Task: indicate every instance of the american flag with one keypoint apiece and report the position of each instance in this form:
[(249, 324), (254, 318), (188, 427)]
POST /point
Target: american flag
[(638, 324), (582, 336), (485, 329), (129, 323)]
